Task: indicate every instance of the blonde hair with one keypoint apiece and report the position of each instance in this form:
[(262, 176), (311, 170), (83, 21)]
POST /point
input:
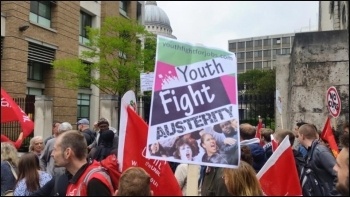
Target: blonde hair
[(9, 153), (242, 181), (32, 141)]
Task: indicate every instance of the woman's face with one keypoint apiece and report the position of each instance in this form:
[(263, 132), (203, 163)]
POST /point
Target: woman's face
[(155, 147), (38, 145), (209, 144), (185, 152)]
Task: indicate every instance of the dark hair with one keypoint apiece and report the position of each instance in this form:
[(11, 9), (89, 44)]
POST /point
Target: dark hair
[(247, 131), (76, 141), (246, 154), (345, 125), (190, 142), (28, 167), (344, 140), (160, 152), (102, 121), (55, 122), (266, 133), (300, 123), (309, 131)]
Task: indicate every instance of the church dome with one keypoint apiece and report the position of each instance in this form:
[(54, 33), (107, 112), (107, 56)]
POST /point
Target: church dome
[(156, 20)]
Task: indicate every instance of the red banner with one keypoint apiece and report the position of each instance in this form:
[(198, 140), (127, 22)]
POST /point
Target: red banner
[(279, 176), (10, 112), (132, 151)]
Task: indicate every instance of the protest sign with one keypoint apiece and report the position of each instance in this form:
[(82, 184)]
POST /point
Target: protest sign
[(333, 102), (193, 104), (146, 81), (132, 147)]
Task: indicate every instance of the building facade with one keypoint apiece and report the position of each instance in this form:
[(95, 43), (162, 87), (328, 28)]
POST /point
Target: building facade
[(34, 33), (333, 15), (260, 52)]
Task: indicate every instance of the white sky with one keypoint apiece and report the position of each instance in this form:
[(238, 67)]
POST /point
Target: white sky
[(213, 23)]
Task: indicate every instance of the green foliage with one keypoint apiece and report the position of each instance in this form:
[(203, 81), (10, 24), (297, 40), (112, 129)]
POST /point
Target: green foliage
[(258, 81), (120, 58)]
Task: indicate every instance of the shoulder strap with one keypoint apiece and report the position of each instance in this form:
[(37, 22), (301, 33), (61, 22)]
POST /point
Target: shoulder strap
[(12, 170), (100, 170)]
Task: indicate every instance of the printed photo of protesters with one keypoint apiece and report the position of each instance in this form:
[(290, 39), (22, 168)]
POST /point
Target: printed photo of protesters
[(157, 150), (186, 149)]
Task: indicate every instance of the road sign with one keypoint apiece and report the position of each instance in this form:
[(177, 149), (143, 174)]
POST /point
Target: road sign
[(333, 102)]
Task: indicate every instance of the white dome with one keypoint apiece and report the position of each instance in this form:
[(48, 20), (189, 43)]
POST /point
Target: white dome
[(154, 15)]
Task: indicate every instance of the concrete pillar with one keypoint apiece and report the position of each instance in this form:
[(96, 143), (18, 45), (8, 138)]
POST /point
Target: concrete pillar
[(109, 109), (43, 116), (141, 107)]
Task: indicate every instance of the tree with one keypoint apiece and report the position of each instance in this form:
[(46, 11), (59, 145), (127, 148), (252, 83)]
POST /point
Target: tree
[(120, 58)]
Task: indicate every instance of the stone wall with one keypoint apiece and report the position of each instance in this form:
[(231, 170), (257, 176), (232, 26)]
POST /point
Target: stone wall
[(318, 60)]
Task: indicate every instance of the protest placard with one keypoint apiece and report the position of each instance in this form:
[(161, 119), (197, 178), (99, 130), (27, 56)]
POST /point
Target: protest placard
[(146, 81), (194, 105)]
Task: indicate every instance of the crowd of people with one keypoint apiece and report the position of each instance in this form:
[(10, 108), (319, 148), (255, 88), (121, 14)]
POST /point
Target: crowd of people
[(67, 163)]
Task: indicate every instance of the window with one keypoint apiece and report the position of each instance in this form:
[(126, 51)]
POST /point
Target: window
[(232, 46), (123, 7), (285, 51), (249, 44), (276, 52), (83, 108), (267, 42), (292, 39), (139, 13), (35, 71), (276, 41), (266, 64), (249, 54), (267, 53), (240, 55), (86, 82), (249, 65), (258, 65), (285, 40), (85, 21), (240, 67), (258, 43), (241, 45), (40, 12), (257, 53)]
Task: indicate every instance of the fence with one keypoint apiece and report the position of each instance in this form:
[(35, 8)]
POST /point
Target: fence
[(13, 129)]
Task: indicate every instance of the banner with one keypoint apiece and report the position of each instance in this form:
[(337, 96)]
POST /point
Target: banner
[(279, 175), (132, 150), (194, 100)]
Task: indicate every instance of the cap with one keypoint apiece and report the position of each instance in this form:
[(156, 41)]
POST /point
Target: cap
[(83, 121)]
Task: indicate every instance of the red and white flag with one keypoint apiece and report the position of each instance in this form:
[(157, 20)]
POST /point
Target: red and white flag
[(274, 144), (328, 136), (279, 176), (132, 148)]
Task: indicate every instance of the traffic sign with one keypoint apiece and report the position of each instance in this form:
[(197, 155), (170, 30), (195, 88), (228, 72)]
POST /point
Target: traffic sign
[(333, 102)]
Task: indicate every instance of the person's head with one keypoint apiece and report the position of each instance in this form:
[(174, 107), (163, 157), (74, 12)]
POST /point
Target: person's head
[(342, 166), (280, 135), (107, 138), (246, 131), (226, 127), (28, 167), (242, 181), (306, 134), (83, 124), (55, 126), (208, 143), (64, 126), (36, 144), (154, 148), (103, 124), (186, 149), (69, 146), (266, 134), (246, 155), (134, 181), (9, 153)]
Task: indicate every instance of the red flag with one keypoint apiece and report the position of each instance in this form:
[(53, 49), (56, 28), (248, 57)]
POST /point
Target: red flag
[(279, 176), (10, 111), (328, 136), (133, 153)]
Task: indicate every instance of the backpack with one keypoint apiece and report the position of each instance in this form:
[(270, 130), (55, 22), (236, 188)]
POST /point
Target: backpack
[(110, 164), (311, 185)]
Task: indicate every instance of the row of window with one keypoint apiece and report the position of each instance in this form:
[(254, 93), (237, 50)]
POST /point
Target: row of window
[(264, 53), (259, 43), (254, 65)]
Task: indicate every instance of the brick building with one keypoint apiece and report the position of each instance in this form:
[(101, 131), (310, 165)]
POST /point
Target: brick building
[(34, 33)]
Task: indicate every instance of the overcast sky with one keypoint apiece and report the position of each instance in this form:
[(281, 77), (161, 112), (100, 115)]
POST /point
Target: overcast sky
[(213, 23)]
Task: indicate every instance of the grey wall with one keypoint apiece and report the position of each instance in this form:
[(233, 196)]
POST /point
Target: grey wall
[(318, 60)]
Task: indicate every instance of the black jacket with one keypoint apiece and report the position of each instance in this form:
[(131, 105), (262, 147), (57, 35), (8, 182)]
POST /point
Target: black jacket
[(322, 162), (213, 183)]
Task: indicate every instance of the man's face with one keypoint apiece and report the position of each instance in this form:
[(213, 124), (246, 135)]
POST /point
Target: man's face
[(58, 154), (55, 128), (342, 169), (226, 127), (103, 127)]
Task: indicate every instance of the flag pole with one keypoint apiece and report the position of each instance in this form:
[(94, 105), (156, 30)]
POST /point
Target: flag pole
[(192, 180)]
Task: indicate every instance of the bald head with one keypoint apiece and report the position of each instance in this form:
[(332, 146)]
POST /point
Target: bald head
[(246, 131), (308, 131)]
